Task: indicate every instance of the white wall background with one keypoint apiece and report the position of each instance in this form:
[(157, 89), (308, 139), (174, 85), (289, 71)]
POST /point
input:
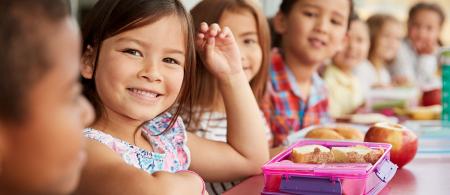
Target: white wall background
[(270, 6), (365, 8)]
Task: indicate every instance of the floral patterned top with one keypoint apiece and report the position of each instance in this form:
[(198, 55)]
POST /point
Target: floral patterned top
[(170, 152)]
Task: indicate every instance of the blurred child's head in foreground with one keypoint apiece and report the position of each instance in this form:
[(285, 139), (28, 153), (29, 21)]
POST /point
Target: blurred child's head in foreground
[(42, 111)]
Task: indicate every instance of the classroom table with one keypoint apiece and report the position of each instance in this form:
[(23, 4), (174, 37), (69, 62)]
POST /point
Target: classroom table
[(426, 174)]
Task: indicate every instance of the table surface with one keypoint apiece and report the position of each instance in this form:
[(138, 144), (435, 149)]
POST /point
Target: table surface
[(426, 174)]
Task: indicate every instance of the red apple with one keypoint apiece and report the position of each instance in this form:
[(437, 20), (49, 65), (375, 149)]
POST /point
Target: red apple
[(431, 97), (403, 141)]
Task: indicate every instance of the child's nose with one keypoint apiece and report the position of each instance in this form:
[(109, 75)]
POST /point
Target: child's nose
[(423, 32), (150, 72), (322, 25)]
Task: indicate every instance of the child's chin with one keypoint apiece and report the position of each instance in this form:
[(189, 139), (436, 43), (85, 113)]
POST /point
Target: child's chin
[(143, 115)]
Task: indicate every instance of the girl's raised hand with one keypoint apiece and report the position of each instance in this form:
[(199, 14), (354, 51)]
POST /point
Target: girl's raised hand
[(219, 51)]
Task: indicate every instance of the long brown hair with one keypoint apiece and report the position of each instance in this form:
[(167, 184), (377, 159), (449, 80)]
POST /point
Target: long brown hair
[(206, 92), (111, 17)]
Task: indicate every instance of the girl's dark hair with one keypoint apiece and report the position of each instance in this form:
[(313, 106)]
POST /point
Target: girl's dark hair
[(24, 36), (426, 6), (210, 11), (111, 17)]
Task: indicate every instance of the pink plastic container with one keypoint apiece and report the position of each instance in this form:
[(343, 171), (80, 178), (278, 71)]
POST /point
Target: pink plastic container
[(285, 177)]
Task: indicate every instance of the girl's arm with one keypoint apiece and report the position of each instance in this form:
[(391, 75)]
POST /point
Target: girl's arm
[(246, 149), (106, 173)]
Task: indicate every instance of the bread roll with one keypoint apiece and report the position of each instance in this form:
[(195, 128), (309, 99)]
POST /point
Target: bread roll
[(324, 133), (349, 133), (336, 133)]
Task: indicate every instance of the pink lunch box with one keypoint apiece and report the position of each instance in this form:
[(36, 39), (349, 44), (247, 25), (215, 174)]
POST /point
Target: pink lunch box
[(283, 177)]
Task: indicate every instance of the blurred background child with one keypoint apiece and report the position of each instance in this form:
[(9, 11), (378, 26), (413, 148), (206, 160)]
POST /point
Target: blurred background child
[(385, 36), (134, 71), (250, 28), (312, 31), (344, 90), (416, 62), (42, 111)]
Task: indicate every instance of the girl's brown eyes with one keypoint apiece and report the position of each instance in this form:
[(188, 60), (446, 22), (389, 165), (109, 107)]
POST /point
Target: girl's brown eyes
[(137, 53), (171, 61), (133, 52)]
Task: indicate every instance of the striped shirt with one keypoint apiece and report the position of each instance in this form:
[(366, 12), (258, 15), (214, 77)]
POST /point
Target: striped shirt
[(284, 109), (213, 126)]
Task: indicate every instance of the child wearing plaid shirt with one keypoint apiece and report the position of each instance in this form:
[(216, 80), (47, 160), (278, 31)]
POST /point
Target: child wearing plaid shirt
[(312, 31), (285, 109)]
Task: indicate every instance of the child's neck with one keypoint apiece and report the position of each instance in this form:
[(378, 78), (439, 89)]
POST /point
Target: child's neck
[(302, 70), (345, 70), (303, 73), (378, 63), (119, 126), (218, 105)]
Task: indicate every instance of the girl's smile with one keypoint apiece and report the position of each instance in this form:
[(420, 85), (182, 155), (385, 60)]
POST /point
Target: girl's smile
[(147, 96)]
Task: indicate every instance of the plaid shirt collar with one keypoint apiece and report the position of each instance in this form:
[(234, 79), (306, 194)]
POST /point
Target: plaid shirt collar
[(283, 78)]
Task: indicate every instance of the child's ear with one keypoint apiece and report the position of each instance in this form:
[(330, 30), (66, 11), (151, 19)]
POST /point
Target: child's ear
[(279, 23), (87, 63)]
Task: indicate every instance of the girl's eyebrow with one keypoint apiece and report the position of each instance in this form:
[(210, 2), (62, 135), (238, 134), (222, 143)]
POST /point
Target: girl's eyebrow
[(145, 45), (248, 33), (174, 51), (136, 41)]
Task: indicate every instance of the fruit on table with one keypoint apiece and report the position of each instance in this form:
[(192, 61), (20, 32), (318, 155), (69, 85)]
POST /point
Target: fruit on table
[(431, 97), (404, 142)]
